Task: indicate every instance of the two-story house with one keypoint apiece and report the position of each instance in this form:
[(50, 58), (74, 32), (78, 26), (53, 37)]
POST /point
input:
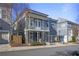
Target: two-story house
[(33, 26), (66, 30)]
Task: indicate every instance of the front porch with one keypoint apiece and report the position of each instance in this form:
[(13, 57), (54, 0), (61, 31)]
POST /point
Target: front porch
[(36, 36)]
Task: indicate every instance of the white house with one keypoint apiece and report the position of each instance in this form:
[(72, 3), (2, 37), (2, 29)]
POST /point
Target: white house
[(66, 30)]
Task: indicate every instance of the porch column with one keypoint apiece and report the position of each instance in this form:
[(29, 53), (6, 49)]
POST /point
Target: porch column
[(26, 37), (43, 36), (29, 22), (37, 36), (49, 40), (9, 37), (25, 30)]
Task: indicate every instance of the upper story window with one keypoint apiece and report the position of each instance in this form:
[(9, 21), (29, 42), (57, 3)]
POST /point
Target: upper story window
[(62, 25), (53, 25), (42, 23), (32, 23), (35, 22), (46, 23), (3, 13), (39, 23), (69, 26)]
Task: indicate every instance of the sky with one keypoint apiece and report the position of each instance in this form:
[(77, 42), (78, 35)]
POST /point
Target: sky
[(69, 11)]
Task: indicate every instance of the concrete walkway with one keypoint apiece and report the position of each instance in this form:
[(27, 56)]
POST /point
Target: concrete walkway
[(7, 47)]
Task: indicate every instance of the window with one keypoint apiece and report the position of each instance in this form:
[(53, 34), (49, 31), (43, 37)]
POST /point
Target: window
[(43, 25), (63, 25), (3, 13), (32, 23), (69, 26), (53, 25), (46, 23), (0, 28), (39, 23), (35, 22)]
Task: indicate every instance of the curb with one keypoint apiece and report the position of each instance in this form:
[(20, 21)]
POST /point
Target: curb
[(33, 47)]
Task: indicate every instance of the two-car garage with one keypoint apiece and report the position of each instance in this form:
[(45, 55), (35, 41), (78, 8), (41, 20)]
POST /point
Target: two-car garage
[(4, 37)]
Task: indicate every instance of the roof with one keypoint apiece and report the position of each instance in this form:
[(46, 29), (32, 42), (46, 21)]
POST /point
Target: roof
[(65, 20), (36, 12), (52, 19), (33, 11)]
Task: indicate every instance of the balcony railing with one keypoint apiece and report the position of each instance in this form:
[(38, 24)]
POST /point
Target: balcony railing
[(38, 28)]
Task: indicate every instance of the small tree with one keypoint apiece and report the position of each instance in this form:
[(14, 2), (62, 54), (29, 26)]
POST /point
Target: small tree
[(73, 39)]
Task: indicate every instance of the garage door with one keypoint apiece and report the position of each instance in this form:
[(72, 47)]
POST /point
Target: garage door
[(4, 38)]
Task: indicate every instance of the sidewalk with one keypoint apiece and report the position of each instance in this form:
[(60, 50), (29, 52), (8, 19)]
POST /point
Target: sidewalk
[(7, 47)]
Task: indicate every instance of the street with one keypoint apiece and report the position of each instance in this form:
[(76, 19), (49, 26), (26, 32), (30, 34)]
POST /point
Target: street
[(54, 51)]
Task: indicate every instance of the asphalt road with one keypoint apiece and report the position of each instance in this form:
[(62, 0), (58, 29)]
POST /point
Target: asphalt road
[(54, 51)]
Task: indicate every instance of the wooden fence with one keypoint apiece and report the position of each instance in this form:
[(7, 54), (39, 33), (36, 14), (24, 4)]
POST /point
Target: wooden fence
[(16, 40)]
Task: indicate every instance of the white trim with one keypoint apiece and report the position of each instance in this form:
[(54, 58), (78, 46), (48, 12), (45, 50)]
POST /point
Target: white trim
[(36, 30), (4, 31), (7, 32), (29, 21)]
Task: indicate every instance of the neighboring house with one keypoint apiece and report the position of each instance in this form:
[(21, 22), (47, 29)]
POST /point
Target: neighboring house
[(33, 26), (66, 29), (78, 34), (52, 29), (5, 23)]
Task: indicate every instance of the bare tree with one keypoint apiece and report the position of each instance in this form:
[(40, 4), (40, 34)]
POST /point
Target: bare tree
[(18, 8)]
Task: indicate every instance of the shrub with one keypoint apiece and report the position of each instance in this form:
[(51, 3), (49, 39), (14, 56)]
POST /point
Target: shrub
[(37, 43), (73, 39)]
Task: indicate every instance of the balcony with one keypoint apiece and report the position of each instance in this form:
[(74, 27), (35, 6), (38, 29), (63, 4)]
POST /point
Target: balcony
[(34, 28), (38, 25)]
